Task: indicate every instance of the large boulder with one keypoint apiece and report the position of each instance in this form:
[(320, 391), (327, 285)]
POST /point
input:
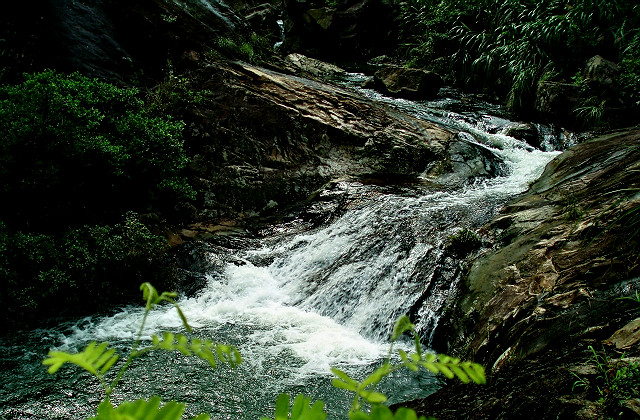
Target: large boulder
[(263, 139), (408, 82), (599, 71), (564, 254), (115, 40), (557, 99)]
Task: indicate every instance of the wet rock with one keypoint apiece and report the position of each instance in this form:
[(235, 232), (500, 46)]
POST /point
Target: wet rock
[(408, 83), (526, 132), (306, 66), (599, 71), (626, 337), (557, 98), (264, 136), (470, 159), (564, 253), (631, 408)]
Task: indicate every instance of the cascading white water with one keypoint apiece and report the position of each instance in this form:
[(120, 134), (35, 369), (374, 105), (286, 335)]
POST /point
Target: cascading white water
[(326, 297)]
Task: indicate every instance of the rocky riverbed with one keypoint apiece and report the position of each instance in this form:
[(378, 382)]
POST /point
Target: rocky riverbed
[(556, 280)]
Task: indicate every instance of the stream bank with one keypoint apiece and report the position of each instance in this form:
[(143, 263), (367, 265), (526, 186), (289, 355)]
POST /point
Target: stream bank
[(562, 264)]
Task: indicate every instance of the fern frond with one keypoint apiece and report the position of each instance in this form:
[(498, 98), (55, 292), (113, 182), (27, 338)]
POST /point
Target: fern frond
[(206, 350), (452, 367), (96, 359), (152, 298), (143, 410), (384, 413), (301, 410)]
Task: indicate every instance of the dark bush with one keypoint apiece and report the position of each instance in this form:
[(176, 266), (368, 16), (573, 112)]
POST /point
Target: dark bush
[(45, 274), (79, 160), (77, 151)]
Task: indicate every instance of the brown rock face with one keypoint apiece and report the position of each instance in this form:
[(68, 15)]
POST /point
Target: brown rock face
[(563, 243), (351, 31), (262, 137), (564, 254), (408, 83)]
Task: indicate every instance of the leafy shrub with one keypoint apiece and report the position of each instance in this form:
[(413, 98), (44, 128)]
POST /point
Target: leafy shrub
[(616, 381), (508, 47), (81, 269), (86, 152), (253, 48)]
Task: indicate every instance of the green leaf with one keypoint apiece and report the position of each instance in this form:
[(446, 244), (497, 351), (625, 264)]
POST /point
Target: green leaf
[(343, 385), (149, 295), (340, 374), (205, 350), (377, 375), (143, 410), (403, 324), (282, 407), (452, 367), (384, 413), (96, 359), (373, 397), (302, 410)]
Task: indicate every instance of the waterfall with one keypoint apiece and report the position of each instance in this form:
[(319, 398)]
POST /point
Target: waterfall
[(303, 302)]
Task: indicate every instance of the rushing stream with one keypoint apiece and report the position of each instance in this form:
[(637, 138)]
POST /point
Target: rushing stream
[(300, 300)]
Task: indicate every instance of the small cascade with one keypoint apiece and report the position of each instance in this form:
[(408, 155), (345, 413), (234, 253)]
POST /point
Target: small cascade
[(279, 44), (300, 303)]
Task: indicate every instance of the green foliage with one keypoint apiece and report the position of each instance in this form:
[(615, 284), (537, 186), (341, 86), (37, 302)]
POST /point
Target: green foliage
[(508, 47), (143, 410), (88, 150), (464, 242), (616, 381), (255, 48), (384, 413), (205, 350), (450, 367), (93, 156), (173, 96), (301, 410), (77, 268), (95, 359), (98, 359)]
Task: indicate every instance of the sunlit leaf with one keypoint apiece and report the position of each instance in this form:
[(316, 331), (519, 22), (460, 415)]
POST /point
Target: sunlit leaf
[(403, 324), (96, 359)]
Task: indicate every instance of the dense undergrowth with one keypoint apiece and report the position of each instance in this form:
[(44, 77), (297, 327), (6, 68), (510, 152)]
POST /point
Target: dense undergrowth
[(508, 49), (82, 164)]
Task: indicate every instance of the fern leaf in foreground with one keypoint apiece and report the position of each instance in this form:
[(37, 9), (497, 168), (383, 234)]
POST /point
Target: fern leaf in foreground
[(96, 359), (382, 412), (452, 367), (204, 349), (143, 410), (301, 410)]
